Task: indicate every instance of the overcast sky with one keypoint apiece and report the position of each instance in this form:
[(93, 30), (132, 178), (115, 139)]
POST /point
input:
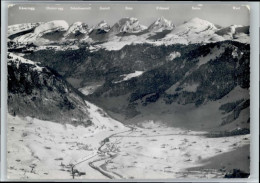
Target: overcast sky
[(223, 15)]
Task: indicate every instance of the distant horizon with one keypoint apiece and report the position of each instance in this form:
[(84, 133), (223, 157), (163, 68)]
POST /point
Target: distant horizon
[(91, 14)]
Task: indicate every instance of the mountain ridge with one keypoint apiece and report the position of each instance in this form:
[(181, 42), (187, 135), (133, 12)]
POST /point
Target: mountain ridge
[(129, 31)]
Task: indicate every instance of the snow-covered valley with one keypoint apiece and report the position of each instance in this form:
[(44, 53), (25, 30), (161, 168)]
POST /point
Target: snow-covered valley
[(45, 150)]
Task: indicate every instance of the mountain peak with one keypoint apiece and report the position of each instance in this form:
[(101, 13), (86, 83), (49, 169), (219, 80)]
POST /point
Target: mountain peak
[(102, 22), (162, 19), (129, 20), (77, 28), (128, 24), (103, 26), (161, 24), (198, 24)]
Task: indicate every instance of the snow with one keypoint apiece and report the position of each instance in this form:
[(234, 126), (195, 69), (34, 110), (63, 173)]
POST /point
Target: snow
[(50, 147), (195, 30), (88, 40), (190, 87), (16, 28), (77, 26), (201, 31), (89, 89), (117, 42), (214, 53), (39, 149), (129, 76), (57, 47), (173, 55), (161, 24), (152, 150), (51, 26), (103, 26), (18, 60), (234, 53), (165, 153), (115, 45), (149, 124), (43, 28), (94, 48), (195, 25), (130, 25), (101, 119)]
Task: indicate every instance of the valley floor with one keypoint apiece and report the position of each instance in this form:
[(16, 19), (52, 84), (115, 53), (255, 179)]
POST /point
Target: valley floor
[(46, 150)]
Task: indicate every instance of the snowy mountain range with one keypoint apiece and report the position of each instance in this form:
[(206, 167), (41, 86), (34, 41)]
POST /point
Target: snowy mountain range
[(124, 32), (160, 63)]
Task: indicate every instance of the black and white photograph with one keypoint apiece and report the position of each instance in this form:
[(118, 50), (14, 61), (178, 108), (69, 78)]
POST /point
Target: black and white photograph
[(128, 91)]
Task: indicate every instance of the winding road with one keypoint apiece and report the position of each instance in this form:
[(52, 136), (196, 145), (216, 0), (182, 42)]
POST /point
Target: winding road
[(103, 155)]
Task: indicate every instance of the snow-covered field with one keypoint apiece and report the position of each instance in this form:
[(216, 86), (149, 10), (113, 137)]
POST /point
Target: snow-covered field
[(45, 150), (129, 76), (162, 153), (89, 89)]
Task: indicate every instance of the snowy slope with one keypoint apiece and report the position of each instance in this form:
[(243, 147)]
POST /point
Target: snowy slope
[(43, 29), (173, 55), (40, 149), (193, 31), (12, 58), (195, 25), (56, 25), (118, 42), (17, 28), (131, 75), (101, 119), (201, 31)]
